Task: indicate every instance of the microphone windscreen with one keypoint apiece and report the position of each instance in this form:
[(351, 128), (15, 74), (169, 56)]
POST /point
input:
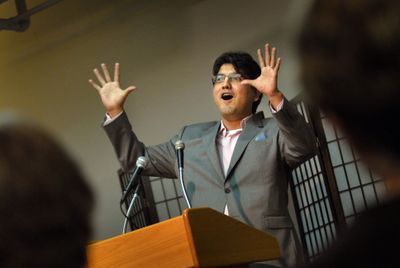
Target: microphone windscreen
[(142, 162), (179, 145)]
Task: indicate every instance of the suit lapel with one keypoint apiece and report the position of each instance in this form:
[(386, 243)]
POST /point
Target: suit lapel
[(251, 129), (210, 146)]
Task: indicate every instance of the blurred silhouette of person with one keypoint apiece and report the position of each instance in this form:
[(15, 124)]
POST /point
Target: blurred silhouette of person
[(45, 202), (350, 61)]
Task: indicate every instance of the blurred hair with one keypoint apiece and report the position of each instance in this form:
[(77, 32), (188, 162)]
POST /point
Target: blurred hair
[(244, 64), (350, 57), (45, 202)]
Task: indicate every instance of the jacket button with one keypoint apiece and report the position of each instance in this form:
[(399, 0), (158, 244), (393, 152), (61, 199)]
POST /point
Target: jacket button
[(227, 190)]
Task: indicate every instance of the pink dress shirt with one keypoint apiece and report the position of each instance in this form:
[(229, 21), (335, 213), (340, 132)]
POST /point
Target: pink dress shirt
[(226, 142)]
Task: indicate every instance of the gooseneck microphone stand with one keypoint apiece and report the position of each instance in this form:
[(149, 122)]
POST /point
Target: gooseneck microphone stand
[(141, 163), (179, 146), (128, 212)]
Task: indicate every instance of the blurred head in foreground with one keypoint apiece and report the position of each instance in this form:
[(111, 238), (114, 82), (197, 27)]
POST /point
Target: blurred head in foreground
[(350, 60), (45, 202)]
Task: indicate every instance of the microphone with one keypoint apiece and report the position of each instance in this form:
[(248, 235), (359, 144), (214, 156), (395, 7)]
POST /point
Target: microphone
[(141, 163), (179, 146)]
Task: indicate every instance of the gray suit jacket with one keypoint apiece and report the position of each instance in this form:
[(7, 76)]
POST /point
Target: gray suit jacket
[(256, 186)]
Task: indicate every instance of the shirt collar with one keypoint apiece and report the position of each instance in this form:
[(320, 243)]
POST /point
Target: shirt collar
[(223, 131)]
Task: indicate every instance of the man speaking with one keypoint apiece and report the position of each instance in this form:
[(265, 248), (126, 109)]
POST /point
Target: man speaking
[(238, 165)]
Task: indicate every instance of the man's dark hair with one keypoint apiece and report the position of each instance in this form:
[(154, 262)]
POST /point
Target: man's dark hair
[(350, 57), (244, 64), (45, 202)]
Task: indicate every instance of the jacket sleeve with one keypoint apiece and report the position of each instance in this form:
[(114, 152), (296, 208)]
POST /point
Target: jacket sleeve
[(128, 148), (296, 139)]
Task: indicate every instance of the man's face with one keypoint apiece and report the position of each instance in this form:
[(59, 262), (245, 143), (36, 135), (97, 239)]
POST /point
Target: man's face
[(233, 100)]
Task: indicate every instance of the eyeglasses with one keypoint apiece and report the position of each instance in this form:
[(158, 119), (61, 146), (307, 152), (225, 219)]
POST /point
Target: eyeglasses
[(233, 77)]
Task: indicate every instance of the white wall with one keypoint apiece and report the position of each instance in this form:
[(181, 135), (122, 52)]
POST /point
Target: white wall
[(166, 49)]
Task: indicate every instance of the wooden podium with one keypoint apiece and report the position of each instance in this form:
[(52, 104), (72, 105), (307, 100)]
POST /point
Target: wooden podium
[(200, 237)]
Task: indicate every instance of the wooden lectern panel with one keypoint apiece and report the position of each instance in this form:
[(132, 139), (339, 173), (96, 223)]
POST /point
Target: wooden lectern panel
[(201, 237), (218, 240), (160, 245)]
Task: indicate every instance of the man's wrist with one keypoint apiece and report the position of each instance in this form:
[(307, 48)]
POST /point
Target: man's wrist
[(275, 98), (114, 112), (109, 120)]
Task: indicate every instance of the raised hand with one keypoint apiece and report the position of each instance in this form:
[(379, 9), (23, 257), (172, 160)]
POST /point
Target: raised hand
[(111, 94), (267, 83)]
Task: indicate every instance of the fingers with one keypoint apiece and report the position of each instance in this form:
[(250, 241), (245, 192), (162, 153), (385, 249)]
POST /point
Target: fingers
[(260, 58), (270, 57), (267, 55), (106, 73), (129, 89), (99, 77), (278, 64), (247, 82), (107, 78), (96, 86), (273, 58), (116, 72)]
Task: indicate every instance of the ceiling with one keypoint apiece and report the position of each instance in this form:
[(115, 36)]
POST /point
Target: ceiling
[(18, 12)]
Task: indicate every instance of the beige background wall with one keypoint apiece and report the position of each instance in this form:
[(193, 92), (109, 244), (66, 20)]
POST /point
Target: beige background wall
[(166, 49)]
